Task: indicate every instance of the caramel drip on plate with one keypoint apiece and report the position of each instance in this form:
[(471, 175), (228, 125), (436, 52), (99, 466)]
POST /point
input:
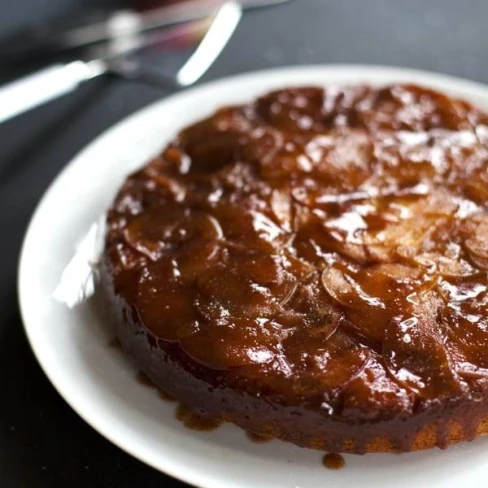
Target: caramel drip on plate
[(258, 438), (143, 379), (115, 343), (196, 421), (333, 461), (165, 396)]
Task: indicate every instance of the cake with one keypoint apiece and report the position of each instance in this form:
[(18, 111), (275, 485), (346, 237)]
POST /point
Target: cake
[(312, 266)]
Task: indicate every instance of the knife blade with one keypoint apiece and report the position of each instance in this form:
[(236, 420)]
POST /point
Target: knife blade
[(39, 42)]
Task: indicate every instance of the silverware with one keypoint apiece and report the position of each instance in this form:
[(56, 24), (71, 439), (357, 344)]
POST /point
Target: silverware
[(131, 22), (36, 44), (49, 83)]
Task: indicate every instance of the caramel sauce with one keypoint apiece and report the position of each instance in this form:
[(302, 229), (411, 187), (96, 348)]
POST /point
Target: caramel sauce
[(166, 396), (333, 461), (258, 438), (143, 379), (195, 421), (115, 343), (183, 413)]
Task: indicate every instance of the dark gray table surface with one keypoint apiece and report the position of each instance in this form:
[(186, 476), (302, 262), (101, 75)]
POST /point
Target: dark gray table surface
[(43, 443)]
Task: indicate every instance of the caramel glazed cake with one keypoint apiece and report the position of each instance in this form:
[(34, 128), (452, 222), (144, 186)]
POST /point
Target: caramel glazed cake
[(313, 267)]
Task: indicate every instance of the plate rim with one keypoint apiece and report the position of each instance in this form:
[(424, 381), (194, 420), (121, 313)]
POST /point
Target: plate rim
[(448, 82)]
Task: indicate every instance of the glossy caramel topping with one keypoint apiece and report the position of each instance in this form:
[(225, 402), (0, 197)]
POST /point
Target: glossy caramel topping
[(329, 244)]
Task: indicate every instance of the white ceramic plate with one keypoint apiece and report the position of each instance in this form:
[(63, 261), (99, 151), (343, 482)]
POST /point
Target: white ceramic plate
[(99, 383)]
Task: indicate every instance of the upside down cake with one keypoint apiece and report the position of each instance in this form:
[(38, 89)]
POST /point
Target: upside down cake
[(313, 266)]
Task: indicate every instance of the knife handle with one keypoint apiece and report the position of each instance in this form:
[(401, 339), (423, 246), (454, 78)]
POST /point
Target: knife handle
[(42, 86)]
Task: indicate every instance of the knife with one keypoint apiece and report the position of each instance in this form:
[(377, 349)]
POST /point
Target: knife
[(39, 42), (22, 95)]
